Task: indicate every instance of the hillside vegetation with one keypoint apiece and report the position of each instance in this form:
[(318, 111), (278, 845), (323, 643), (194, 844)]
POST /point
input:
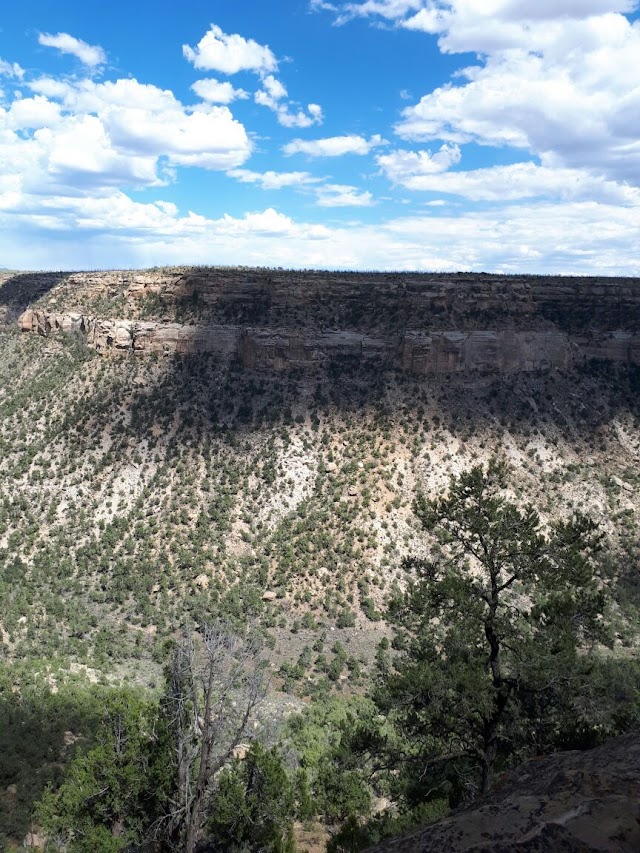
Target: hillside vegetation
[(142, 492)]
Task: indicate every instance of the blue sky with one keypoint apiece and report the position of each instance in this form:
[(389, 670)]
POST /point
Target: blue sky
[(495, 135)]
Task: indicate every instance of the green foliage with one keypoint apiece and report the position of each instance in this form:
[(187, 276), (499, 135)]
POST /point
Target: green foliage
[(111, 793), (494, 633), (320, 737), (39, 733), (253, 806), (343, 792), (356, 834)]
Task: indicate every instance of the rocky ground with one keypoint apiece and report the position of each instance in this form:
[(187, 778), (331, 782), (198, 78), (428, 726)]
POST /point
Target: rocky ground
[(576, 802)]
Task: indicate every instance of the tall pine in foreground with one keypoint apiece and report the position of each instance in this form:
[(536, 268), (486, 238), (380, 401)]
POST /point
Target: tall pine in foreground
[(495, 634)]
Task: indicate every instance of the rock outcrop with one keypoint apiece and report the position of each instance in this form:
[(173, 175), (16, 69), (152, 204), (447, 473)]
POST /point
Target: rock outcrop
[(572, 801), (276, 320)]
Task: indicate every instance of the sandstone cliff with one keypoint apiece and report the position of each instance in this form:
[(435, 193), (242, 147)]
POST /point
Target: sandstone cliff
[(425, 324)]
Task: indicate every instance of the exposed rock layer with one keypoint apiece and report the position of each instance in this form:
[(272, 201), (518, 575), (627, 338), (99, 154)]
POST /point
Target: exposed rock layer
[(572, 801), (276, 320)]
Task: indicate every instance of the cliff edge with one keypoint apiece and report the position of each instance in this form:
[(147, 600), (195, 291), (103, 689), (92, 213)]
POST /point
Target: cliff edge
[(277, 320)]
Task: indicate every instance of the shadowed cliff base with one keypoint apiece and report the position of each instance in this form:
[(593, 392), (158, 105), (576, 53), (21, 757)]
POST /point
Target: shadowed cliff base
[(19, 290)]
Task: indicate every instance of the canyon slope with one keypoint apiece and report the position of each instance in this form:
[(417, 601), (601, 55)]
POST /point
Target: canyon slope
[(178, 444), (179, 440)]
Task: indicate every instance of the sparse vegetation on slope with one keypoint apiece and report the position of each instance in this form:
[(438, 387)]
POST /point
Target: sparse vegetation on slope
[(142, 492)]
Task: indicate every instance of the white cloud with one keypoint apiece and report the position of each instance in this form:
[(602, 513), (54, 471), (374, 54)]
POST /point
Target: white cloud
[(11, 69), (269, 222), (333, 146), (217, 92), (274, 180), (400, 166), (436, 16), (88, 54), (273, 88), (82, 153), (559, 79), (579, 238), (32, 113), (469, 25), (219, 51), (87, 138), (507, 183), (322, 6), (232, 53), (300, 118), (271, 96), (343, 195), (50, 87), (211, 138), (573, 105)]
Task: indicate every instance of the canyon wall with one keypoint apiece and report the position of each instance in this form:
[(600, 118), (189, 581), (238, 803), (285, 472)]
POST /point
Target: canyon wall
[(276, 320)]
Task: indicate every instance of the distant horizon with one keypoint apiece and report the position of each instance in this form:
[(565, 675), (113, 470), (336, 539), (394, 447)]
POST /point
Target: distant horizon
[(417, 135), (313, 271)]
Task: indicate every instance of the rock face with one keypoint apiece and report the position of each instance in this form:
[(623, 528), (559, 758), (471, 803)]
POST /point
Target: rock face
[(571, 801), (274, 320)]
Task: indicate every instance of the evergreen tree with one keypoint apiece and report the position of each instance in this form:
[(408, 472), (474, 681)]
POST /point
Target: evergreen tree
[(112, 793), (494, 631), (254, 805)]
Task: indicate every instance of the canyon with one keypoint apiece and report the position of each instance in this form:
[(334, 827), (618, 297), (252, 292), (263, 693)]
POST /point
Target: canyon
[(176, 443)]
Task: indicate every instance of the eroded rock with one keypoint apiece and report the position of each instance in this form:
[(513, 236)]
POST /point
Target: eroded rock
[(277, 320)]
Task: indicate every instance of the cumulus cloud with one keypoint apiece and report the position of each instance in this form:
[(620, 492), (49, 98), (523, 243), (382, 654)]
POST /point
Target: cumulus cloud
[(322, 6), (507, 183), (575, 237), (271, 95), (89, 54), (84, 138), (32, 113), (269, 222), (272, 91), (401, 166), (11, 69), (274, 180), (575, 104), (230, 53), (333, 146), (300, 118), (217, 92), (438, 16), (558, 79), (343, 195)]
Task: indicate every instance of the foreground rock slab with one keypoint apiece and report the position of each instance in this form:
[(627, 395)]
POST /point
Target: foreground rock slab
[(572, 801)]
